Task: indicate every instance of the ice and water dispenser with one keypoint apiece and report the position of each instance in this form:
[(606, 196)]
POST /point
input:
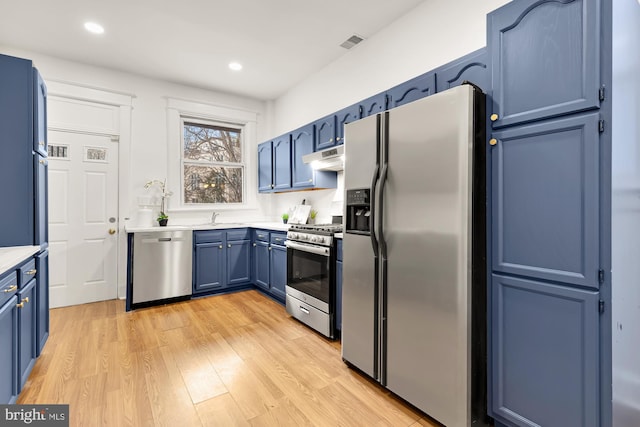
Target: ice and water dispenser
[(358, 219)]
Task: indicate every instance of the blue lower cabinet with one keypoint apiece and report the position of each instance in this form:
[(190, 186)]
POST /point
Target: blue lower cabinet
[(9, 351), (278, 271), (208, 267), (27, 325), (42, 296), (545, 361), (238, 262), (261, 264)]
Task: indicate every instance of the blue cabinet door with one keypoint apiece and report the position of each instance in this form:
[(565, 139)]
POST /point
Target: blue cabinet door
[(16, 161), (545, 200), (261, 264), (545, 57), (282, 163), (545, 354), (278, 271), (416, 88), (40, 111), (238, 262), (326, 132), (265, 167), (41, 208), (27, 327), (373, 105), (209, 267), (42, 297), (339, 295), (471, 67), (9, 351), (347, 115), (302, 143)]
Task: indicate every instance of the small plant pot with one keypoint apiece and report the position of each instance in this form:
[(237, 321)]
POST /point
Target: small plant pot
[(284, 221), (163, 222)]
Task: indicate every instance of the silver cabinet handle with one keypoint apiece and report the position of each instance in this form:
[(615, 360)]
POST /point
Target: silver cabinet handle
[(220, 246), (254, 245), (229, 245), (269, 247), (304, 310)]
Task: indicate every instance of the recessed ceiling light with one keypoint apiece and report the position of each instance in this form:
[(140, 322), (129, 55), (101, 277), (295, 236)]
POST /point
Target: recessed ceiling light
[(94, 28), (235, 66)]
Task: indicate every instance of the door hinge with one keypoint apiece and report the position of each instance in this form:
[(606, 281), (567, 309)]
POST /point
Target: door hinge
[(601, 306), (601, 126), (601, 276), (601, 93)]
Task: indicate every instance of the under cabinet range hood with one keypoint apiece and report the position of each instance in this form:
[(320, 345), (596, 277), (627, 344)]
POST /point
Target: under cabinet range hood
[(331, 159)]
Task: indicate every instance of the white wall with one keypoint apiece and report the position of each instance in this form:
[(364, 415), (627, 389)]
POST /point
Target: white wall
[(148, 153), (434, 33)]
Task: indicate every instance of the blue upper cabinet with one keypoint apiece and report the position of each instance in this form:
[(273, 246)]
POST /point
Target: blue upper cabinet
[(416, 88), (265, 167), (545, 205), (545, 349), (326, 132), (472, 68), (545, 57), (373, 105), (16, 161), (282, 163), (344, 116), (302, 143), (40, 111)]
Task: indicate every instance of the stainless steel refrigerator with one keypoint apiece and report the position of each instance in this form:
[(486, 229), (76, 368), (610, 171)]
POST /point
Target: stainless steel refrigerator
[(414, 253)]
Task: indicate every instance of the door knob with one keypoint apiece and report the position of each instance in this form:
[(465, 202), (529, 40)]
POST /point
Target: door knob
[(112, 231)]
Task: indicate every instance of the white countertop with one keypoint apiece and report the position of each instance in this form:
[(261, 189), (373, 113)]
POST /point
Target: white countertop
[(339, 235), (276, 226), (13, 255)]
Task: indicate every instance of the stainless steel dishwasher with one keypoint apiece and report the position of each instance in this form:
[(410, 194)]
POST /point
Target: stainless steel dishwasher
[(161, 265)]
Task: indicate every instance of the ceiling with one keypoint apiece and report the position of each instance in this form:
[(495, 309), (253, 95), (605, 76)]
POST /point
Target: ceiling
[(279, 42)]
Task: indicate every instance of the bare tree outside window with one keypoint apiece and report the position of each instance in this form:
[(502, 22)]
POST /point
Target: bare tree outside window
[(213, 168)]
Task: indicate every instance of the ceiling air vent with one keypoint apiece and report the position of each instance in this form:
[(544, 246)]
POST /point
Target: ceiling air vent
[(351, 41)]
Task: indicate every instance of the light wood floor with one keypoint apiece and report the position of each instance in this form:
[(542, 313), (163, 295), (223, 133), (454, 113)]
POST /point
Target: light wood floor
[(227, 360)]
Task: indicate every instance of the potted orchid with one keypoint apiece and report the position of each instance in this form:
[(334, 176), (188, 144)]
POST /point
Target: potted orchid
[(163, 218)]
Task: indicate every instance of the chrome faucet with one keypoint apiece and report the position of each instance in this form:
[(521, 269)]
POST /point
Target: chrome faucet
[(214, 215)]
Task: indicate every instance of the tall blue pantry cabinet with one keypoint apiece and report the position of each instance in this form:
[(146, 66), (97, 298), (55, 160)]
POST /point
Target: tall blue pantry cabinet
[(549, 264), (23, 219)]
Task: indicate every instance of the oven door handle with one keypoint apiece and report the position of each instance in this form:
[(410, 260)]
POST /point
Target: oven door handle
[(318, 250)]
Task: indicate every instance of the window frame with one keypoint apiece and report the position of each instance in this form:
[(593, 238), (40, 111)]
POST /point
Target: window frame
[(179, 109), (242, 165)]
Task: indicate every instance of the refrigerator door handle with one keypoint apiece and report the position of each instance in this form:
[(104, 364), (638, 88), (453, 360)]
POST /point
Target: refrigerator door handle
[(372, 217)]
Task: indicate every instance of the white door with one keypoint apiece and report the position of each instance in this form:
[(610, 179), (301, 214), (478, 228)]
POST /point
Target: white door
[(83, 212)]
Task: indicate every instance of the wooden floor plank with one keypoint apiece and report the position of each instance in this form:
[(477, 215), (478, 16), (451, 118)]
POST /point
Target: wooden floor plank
[(235, 359)]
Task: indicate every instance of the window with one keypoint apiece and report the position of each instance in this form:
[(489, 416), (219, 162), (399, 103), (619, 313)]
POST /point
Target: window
[(213, 168)]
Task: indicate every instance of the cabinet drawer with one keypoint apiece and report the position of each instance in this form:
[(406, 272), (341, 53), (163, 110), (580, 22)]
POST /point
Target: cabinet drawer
[(240, 234), (26, 272), (207, 236), (8, 286), (339, 250), (278, 238), (261, 235)]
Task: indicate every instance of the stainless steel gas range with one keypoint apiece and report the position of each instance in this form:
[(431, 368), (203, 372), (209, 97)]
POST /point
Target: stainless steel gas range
[(311, 266)]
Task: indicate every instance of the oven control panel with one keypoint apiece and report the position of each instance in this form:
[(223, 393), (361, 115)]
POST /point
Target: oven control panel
[(315, 239)]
